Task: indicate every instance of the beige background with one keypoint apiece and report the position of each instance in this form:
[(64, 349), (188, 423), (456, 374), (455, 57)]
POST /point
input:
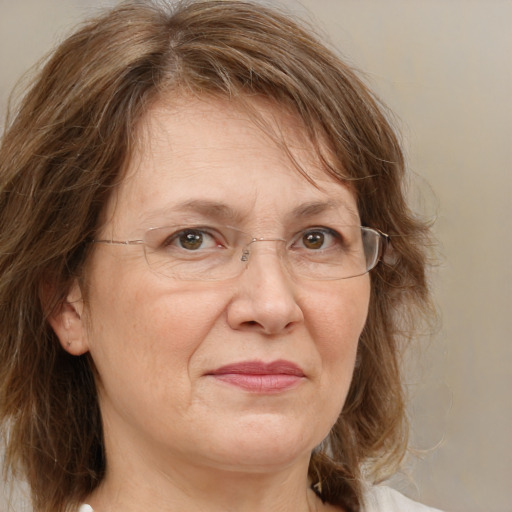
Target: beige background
[(445, 67)]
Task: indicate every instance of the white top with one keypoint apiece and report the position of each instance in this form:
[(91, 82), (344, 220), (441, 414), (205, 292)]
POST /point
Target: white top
[(385, 499), (378, 499)]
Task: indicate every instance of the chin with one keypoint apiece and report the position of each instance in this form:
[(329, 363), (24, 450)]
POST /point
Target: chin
[(265, 443)]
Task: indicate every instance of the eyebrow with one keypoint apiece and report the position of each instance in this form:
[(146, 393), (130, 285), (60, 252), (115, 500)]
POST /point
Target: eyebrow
[(205, 208), (317, 207), (224, 213)]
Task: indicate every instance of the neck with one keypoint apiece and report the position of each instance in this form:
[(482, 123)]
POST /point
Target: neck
[(136, 486), (144, 475), (206, 490)]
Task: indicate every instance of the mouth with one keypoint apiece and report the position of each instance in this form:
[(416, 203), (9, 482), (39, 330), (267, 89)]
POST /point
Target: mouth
[(260, 377)]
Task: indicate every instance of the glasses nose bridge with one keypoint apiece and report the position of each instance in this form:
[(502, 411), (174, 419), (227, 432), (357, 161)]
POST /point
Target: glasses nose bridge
[(246, 251)]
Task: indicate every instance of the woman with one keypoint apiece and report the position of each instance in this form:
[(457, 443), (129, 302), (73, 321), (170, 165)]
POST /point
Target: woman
[(192, 316)]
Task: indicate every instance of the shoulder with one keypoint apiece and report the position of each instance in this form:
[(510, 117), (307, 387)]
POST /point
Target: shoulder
[(380, 498)]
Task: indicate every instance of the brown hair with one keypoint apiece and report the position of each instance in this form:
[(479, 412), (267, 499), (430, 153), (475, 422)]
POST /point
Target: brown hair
[(64, 152)]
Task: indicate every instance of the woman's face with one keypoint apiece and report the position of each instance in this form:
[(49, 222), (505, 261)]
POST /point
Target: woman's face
[(249, 372)]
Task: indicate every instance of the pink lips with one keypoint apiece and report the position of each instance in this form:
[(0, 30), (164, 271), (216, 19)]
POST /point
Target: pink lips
[(259, 377)]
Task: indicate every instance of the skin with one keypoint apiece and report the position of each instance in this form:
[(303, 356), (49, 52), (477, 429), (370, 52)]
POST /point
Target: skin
[(177, 438)]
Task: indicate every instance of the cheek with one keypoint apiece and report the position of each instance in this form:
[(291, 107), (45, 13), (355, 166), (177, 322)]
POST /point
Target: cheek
[(339, 313), (143, 340), (336, 323), (147, 327)]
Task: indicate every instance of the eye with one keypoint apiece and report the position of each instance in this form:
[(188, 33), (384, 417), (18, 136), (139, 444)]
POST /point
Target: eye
[(317, 239), (313, 240), (192, 239)]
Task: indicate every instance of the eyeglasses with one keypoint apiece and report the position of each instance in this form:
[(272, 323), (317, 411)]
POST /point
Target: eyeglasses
[(201, 253)]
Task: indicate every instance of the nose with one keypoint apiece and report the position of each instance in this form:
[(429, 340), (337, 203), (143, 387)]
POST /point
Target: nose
[(266, 298)]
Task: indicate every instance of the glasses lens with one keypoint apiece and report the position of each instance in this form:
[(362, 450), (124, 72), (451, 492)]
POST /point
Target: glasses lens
[(211, 254), (193, 253), (346, 252), (372, 240)]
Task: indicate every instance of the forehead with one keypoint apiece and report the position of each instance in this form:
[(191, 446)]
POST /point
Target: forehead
[(191, 127), (246, 155)]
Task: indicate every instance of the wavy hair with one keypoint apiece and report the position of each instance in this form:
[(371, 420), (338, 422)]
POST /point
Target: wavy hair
[(64, 151)]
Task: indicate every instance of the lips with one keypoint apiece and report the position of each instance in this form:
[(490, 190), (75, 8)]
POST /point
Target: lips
[(260, 377)]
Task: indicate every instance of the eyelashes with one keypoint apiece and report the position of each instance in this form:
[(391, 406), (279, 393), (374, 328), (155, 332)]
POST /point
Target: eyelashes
[(202, 238)]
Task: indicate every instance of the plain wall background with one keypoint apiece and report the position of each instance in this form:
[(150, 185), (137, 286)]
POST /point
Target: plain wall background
[(445, 68)]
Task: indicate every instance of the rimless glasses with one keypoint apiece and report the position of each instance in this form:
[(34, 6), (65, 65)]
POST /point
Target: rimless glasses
[(214, 253)]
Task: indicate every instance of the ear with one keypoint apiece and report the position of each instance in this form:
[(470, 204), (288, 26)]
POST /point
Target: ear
[(68, 323)]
